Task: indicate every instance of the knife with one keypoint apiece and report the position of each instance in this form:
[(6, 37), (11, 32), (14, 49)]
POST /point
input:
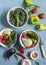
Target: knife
[(42, 48)]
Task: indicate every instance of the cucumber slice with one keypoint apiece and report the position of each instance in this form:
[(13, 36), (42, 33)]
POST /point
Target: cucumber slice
[(28, 42)]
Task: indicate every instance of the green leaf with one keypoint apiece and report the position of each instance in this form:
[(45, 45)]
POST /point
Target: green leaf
[(37, 63), (36, 6), (15, 56), (29, 13), (32, 34), (28, 54)]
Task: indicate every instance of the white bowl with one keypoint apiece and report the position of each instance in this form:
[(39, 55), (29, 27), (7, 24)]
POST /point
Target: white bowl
[(21, 40), (25, 61), (13, 10), (1, 34), (32, 53)]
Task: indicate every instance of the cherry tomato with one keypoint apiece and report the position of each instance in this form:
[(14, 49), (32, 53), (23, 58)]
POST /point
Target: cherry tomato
[(1, 37), (5, 37), (35, 10), (42, 15), (3, 41)]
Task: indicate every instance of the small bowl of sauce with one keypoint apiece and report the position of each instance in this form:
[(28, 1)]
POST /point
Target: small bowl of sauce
[(34, 55)]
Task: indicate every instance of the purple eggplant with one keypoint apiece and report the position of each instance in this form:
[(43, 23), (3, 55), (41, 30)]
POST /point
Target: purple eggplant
[(10, 53)]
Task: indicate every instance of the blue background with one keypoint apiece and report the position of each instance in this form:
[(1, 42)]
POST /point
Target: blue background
[(5, 5)]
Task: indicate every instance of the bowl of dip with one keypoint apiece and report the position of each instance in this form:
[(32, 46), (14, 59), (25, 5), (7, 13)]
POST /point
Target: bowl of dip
[(34, 55)]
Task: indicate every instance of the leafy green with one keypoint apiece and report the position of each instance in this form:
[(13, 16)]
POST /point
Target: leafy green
[(28, 54), (32, 35), (17, 17), (36, 6), (12, 38), (15, 56), (37, 63), (29, 13)]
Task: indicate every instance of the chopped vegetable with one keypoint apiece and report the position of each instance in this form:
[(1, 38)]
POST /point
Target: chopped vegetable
[(3, 41), (24, 37), (41, 27), (27, 43), (34, 19), (5, 37), (1, 37)]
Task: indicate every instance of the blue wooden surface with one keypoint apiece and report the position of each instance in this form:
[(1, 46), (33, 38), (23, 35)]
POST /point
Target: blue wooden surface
[(5, 5)]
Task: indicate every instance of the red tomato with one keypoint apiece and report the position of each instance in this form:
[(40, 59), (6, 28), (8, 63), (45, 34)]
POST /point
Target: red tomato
[(35, 10), (1, 37), (3, 41), (5, 37), (42, 15)]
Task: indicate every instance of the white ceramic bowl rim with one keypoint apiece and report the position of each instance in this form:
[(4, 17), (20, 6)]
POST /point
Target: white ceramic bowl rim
[(22, 63), (29, 30), (14, 9)]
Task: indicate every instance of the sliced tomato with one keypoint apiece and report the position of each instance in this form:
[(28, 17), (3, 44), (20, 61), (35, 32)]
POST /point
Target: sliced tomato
[(3, 41), (1, 37), (5, 37)]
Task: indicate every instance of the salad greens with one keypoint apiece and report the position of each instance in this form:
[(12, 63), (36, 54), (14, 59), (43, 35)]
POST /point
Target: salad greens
[(32, 34), (17, 17), (37, 63), (12, 39)]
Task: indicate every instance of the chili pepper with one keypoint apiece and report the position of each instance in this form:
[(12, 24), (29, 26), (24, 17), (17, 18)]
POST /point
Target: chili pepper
[(20, 54), (21, 50)]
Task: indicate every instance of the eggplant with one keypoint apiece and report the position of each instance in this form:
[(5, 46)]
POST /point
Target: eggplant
[(10, 53)]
